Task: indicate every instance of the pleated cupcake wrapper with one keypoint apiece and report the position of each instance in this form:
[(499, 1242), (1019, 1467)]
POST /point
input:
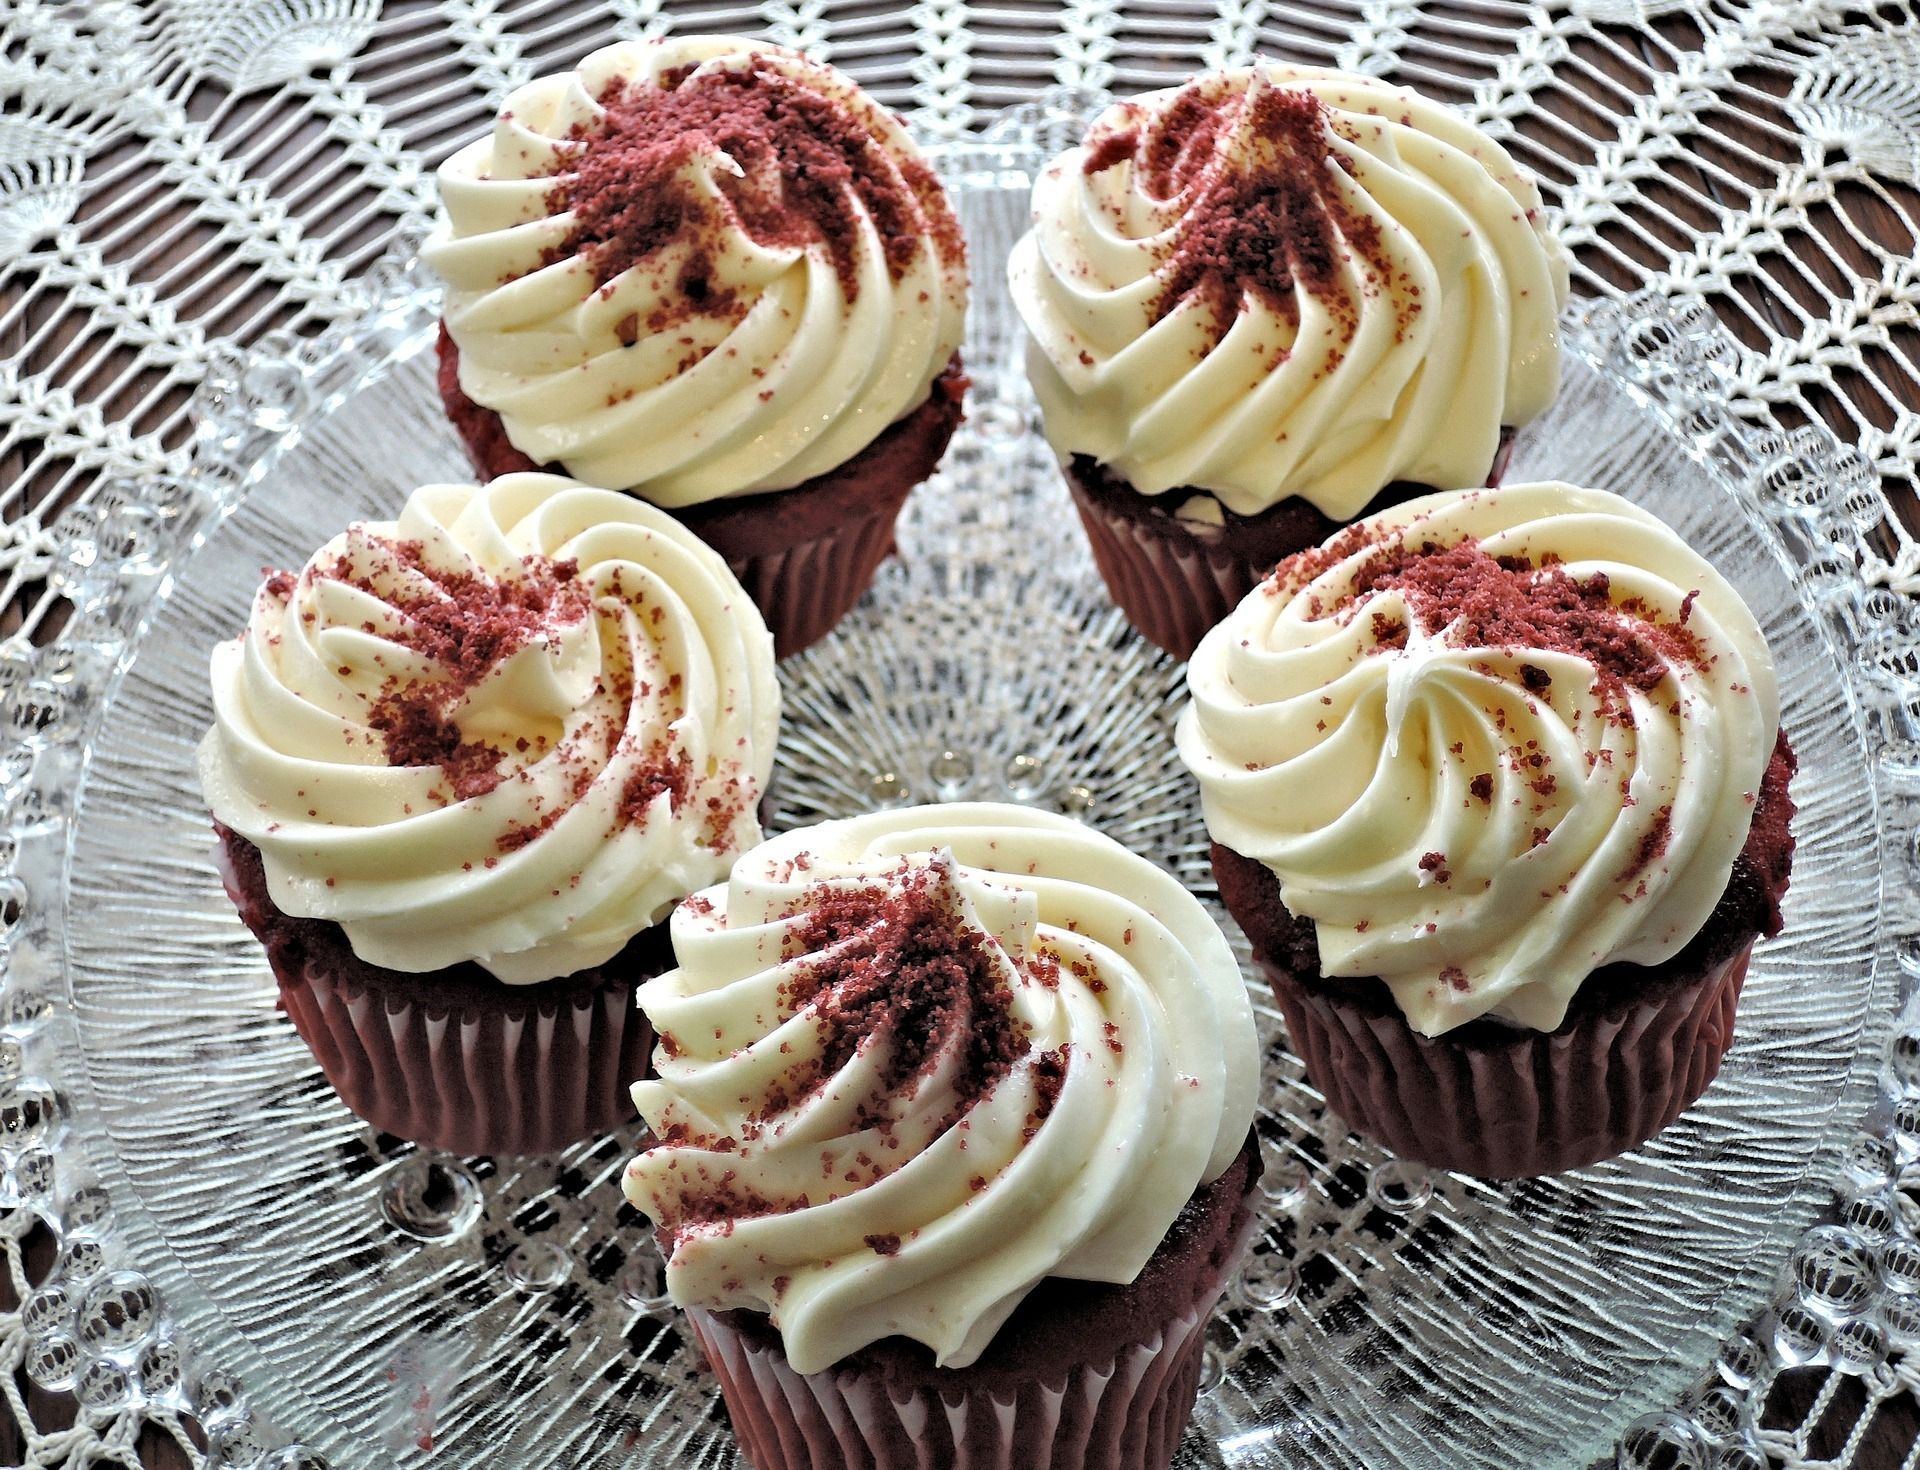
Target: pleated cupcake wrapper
[(1125, 1411), (804, 590), (1541, 1104), (510, 1075), (1171, 591), (1174, 589), (479, 1082)]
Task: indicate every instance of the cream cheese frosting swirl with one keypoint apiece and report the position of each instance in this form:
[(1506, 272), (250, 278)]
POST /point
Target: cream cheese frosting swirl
[(515, 726), (915, 1062), (696, 268), (1488, 741), (1280, 281)]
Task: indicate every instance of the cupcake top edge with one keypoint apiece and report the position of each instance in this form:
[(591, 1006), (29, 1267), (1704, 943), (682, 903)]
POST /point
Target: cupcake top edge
[(913, 1063), (696, 268), (513, 726), (1281, 281), (1488, 741)]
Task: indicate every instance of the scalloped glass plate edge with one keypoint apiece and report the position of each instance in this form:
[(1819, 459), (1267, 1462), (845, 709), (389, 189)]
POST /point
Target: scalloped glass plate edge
[(1809, 499)]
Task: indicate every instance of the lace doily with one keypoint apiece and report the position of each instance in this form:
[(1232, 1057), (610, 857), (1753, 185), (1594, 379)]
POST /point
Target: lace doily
[(185, 187)]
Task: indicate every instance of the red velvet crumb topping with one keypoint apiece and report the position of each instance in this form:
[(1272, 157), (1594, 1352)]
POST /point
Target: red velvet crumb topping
[(901, 961), (467, 624), (809, 168), (1508, 603), (1271, 224)]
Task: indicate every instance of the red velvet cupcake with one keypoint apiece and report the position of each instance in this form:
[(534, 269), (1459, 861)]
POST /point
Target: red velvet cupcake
[(1267, 303), (461, 767), (1498, 791), (954, 1152), (717, 275)]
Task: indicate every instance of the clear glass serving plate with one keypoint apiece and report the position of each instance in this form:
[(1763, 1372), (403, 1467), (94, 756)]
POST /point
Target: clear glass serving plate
[(236, 1245)]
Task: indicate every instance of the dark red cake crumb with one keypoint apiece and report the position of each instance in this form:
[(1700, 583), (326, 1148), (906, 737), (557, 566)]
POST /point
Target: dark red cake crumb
[(464, 621), (883, 1245), (1269, 225), (901, 961), (894, 961), (1483, 602), (810, 171), (416, 732), (1110, 149), (1653, 843), (665, 771)]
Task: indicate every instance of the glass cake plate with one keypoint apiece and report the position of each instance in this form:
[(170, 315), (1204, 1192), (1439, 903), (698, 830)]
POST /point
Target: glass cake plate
[(235, 1243)]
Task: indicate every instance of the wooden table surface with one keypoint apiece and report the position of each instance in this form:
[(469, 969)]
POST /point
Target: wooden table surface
[(1889, 1441)]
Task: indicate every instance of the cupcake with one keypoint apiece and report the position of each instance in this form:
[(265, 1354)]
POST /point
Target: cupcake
[(1497, 789), (954, 1152), (717, 275), (1269, 302), (461, 767)]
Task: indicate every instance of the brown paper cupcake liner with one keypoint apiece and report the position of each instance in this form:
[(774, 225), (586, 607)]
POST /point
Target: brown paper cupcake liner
[(1125, 1411), (517, 1073), (1538, 1103), (491, 1083), (804, 590), (1174, 584), (1172, 591), (1082, 1375)]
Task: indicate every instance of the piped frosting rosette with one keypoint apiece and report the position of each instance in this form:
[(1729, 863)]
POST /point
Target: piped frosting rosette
[(912, 1063), (1488, 741), (697, 267), (515, 726), (1279, 281)]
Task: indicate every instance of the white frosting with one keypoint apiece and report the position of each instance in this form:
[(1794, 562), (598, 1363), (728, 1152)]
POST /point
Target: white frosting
[(1342, 761), (649, 661), (1158, 1094), (1404, 366), (792, 379)]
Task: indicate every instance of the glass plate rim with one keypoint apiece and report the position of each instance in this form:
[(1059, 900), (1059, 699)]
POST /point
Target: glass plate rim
[(1811, 500)]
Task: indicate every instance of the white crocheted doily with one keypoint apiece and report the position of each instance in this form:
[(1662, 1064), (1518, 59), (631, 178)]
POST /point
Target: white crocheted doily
[(188, 183)]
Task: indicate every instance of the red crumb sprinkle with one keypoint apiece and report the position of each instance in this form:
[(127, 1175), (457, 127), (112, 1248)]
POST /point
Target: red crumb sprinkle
[(1471, 599), (1270, 223), (466, 622), (1114, 148), (415, 732), (1454, 977), (893, 960), (1653, 846), (900, 960), (810, 168), (517, 837), (1479, 601), (665, 771), (1482, 786), (278, 583)]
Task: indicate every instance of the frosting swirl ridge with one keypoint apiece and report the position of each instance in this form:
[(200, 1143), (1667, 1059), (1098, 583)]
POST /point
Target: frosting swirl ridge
[(514, 726), (1281, 281), (1488, 741), (914, 1062), (697, 268)]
